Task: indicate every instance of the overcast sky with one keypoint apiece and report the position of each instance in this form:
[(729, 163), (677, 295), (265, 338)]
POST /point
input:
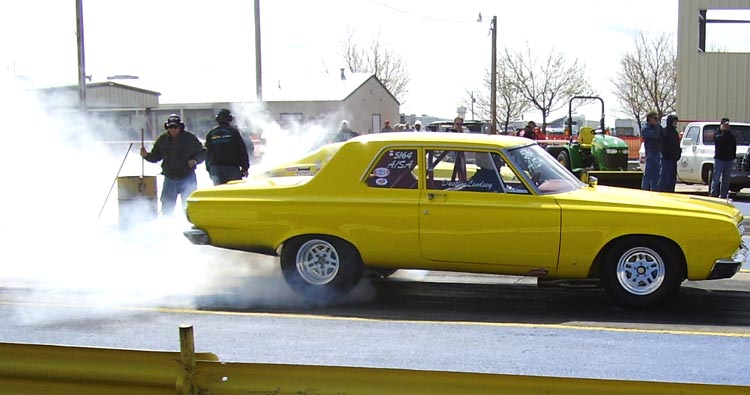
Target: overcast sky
[(199, 51)]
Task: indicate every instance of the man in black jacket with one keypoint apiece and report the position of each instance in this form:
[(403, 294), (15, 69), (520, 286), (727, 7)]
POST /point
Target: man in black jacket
[(725, 152), (180, 151), (227, 158), (670, 154)]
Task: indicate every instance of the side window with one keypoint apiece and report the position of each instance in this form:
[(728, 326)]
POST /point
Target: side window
[(692, 134), (708, 134), (470, 171), (394, 169)]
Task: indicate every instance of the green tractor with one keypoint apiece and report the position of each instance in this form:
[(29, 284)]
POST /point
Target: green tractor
[(592, 153)]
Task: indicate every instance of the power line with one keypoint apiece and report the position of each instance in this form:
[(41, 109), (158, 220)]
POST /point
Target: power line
[(426, 17)]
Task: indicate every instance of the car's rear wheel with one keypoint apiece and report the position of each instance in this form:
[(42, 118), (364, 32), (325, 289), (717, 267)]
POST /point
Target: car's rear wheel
[(641, 271), (320, 268)]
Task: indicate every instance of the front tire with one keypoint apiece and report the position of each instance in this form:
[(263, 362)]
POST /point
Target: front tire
[(320, 268), (564, 159), (641, 272)]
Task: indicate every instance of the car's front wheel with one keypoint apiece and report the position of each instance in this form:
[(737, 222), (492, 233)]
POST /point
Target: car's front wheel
[(641, 271), (564, 159), (320, 268)]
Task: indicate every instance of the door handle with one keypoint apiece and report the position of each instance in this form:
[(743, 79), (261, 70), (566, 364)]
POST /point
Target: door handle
[(432, 196)]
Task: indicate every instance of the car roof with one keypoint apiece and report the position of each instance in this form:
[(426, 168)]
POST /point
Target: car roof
[(443, 138), (704, 123)]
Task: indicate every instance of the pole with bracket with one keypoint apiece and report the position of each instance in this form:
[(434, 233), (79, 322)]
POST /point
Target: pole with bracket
[(186, 381)]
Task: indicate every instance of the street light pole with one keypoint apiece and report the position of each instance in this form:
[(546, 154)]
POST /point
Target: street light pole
[(81, 57), (258, 71), (493, 78)]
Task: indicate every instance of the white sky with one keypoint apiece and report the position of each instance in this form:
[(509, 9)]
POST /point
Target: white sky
[(204, 51)]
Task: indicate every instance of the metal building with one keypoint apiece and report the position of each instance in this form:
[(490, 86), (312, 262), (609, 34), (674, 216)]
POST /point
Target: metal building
[(710, 85)]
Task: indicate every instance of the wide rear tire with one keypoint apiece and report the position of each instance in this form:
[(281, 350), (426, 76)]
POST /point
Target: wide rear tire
[(320, 268), (641, 271)]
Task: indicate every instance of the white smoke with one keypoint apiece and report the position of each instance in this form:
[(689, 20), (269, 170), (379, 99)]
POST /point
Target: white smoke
[(62, 242)]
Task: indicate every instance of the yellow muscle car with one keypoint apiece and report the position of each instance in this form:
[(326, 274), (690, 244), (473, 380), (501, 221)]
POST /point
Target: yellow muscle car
[(471, 203)]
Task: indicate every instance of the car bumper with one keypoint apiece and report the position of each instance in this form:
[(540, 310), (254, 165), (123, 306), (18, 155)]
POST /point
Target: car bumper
[(197, 236), (727, 267), (740, 179)]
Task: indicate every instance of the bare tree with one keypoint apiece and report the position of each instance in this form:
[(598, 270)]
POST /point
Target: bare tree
[(511, 103), (388, 66), (647, 79), (547, 83)]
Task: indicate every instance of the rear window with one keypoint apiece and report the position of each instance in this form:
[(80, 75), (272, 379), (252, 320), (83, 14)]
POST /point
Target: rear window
[(394, 169), (740, 132)]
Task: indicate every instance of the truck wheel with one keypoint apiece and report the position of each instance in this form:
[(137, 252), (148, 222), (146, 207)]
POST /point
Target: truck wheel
[(708, 173), (564, 159), (320, 268), (641, 272)]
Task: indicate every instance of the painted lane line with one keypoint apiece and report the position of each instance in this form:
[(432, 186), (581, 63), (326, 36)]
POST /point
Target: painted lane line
[(596, 328)]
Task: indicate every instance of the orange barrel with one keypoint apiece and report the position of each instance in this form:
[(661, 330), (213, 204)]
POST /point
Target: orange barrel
[(136, 198)]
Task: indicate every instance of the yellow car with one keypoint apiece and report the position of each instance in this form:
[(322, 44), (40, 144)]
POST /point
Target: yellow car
[(470, 203)]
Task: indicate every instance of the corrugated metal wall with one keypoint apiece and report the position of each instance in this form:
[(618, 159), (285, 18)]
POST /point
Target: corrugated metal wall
[(710, 85), (110, 96)]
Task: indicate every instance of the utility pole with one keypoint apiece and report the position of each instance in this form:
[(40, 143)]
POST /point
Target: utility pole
[(81, 57), (258, 70), (493, 78)]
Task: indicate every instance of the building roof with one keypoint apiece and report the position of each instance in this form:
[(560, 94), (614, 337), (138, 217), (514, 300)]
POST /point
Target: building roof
[(93, 85), (322, 87)]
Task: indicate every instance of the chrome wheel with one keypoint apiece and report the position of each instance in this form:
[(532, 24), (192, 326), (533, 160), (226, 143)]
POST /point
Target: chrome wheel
[(317, 262), (640, 271)]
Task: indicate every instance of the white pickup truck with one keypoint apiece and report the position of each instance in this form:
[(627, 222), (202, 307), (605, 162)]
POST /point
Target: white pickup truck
[(697, 162)]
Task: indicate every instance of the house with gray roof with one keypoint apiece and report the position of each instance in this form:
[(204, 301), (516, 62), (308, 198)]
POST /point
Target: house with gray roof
[(359, 98)]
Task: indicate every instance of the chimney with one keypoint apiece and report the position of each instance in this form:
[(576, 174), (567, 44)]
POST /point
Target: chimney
[(343, 77)]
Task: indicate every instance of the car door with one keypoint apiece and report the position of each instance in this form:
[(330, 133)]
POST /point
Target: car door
[(688, 168), (495, 221)]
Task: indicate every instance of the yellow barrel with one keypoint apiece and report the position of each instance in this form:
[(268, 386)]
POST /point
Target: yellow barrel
[(136, 198)]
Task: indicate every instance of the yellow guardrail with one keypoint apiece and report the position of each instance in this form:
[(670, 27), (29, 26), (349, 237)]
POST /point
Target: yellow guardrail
[(39, 369)]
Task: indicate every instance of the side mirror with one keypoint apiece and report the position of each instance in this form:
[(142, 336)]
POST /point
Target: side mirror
[(593, 181), (687, 141)]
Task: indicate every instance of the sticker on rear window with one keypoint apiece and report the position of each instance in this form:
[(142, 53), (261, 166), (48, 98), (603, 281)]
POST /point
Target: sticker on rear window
[(381, 182), (382, 172)]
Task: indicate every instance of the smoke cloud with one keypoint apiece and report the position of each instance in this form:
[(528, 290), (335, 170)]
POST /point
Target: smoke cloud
[(62, 242)]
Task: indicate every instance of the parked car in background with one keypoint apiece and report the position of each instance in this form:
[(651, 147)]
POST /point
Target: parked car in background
[(697, 162), (471, 203)]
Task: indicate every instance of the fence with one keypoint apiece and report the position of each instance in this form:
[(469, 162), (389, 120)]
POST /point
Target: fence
[(41, 369)]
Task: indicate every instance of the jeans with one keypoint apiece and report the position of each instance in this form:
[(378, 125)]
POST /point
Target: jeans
[(173, 187), (650, 181), (221, 174), (722, 175), (667, 176)]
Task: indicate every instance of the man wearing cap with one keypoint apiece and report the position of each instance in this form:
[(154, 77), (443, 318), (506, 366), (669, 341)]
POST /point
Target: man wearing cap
[(725, 152), (227, 158), (179, 152), (651, 135), (387, 128)]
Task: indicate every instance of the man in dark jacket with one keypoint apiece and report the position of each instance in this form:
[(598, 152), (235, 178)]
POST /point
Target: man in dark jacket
[(670, 154), (227, 158), (180, 151), (651, 134), (725, 152)]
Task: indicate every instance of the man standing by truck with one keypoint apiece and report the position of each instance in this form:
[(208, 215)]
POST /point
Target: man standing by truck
[(725, 152), (651, 135), (670, 154)]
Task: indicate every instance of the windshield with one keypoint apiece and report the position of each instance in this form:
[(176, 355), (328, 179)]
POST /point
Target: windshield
[(543, 171)]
